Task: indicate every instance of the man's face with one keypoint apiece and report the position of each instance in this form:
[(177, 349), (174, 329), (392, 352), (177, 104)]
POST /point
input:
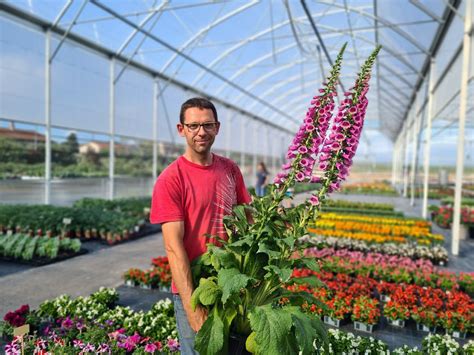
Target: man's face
[(198, 137)]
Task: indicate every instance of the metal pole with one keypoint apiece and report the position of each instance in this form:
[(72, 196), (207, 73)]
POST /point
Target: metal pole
[(424, 211), (227, 137), (462, 124), (47, 118), (254, 160), (242, 145), (112, 129), (266, 150), (155, 129), (394, 162), (405, 163), (416, 125)]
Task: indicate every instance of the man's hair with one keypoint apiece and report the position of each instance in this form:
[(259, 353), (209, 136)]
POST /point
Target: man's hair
[(199, 102)]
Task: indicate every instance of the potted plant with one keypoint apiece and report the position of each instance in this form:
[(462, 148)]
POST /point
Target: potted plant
[(337, 309), (365, 313), (396, 313), (457, 323), (426, 318), (242, 282)]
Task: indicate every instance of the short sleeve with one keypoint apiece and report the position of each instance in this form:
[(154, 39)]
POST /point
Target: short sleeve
[(243, 196), (166, 203)]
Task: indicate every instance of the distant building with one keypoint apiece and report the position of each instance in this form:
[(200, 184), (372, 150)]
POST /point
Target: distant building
[(94, 147), (22, 135)]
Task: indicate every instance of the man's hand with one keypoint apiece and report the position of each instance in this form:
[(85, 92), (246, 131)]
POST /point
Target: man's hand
[(197, 318)]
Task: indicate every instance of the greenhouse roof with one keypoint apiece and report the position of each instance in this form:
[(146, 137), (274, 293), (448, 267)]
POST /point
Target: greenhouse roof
[(268, 57)]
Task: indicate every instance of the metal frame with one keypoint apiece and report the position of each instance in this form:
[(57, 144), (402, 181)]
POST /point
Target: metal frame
[(468, 26)]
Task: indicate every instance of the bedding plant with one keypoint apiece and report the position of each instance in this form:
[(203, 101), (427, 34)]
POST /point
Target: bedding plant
[(243, 281)]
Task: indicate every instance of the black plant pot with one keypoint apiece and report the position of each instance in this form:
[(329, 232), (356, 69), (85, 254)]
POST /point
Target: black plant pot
[(237, 344)]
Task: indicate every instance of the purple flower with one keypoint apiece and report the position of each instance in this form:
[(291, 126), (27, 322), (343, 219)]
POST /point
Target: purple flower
[(335, 146), (304, 162), (89, 348), (286, 166), (310, 128), (314, 200), (300, 176), (345, 124), (78, 343), (315, 179), (173, 345), (103, 348), (67, 323), (150, 348), (302, 150), (323, 166)]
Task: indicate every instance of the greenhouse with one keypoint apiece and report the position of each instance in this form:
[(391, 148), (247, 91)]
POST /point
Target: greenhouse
[(234, 177)]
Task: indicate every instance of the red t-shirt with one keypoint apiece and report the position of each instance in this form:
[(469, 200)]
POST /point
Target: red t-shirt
[(200, 196)]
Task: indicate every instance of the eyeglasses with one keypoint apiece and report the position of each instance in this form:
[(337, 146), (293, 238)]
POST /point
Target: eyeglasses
[(208, 126)]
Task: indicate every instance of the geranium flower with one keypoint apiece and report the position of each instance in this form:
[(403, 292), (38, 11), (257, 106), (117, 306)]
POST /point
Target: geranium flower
[(172, 344)]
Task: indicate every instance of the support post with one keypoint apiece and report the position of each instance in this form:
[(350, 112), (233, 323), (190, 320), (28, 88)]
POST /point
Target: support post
[(405, 162), (414, 160), (427, 151), (254, 160), (462, 123), (112, 129), (47, 118), (242, 145), (155, 129)]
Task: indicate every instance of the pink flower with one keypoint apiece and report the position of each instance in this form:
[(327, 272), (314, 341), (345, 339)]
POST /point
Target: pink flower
[(173, 345), (150, 348), (314, 200), (303, 149), (300, 176)]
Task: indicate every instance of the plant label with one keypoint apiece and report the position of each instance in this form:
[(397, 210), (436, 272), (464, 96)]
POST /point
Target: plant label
[(9, 232), (20, 331), (67, 221)]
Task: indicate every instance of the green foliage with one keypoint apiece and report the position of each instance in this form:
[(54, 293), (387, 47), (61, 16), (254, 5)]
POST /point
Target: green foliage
[(22, 246)]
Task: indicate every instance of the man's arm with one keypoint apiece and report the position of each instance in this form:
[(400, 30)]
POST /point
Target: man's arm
[(173, 233)]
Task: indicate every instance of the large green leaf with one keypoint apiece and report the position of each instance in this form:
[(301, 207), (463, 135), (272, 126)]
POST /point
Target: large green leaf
[(283, 274), (210, 338), (231, 281), (272, 327), (310, 280), (310, 263), (307, 329), (265, 248), (206, 293)]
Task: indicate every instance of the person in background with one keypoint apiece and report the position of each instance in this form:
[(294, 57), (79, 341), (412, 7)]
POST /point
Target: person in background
[(190, 198), (262, 176)]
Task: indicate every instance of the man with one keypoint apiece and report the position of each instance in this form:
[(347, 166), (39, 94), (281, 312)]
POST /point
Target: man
[(190, 198)]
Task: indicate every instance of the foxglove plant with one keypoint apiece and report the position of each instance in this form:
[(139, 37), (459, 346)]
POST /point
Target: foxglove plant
[(244, 283)]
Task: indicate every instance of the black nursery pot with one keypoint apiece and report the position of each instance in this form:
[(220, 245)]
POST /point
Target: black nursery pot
[(237, 344)]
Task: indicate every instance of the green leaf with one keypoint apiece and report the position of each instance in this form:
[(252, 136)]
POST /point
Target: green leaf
[(272, 327), (205, 294), (272, 254), (283, 274), (310, 280), (210, 338), (231, 281), (307, 329), (310, 263)]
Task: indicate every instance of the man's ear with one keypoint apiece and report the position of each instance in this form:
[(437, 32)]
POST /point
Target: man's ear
[(218, 126), (180, 129)]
